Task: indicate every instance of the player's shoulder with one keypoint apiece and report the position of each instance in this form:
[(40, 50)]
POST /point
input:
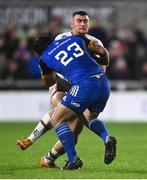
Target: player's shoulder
[(62, 35), (94, 39)]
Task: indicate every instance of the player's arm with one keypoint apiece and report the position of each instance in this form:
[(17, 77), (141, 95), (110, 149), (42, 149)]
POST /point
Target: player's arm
[(98, 52), (47, 74), (49, 78), (96, 48)]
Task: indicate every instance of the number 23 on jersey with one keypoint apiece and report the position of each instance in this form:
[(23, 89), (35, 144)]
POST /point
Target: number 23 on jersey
[(64, 57)]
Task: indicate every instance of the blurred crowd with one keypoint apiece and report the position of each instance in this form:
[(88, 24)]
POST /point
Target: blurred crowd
[(127, 48)]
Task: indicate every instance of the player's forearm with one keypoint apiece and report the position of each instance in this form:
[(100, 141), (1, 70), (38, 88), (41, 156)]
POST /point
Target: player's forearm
[(49, 80), (99, 50), (104, 57)]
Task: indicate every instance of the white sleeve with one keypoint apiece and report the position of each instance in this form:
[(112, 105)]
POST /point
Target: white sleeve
[(94, 39), (58, 37), (99, 42)]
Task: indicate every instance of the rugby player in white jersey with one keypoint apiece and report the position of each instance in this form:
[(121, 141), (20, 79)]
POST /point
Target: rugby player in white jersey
[(79, 26)]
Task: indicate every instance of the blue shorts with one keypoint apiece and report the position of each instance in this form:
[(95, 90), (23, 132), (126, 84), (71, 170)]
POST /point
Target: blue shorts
[(92, 93)]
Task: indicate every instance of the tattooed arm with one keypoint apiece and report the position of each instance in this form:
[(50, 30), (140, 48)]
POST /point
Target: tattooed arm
[(101, 51)]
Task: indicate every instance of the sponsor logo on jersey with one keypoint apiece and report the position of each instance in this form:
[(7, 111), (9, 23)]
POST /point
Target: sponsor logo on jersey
[(75, 104), (57, 43)]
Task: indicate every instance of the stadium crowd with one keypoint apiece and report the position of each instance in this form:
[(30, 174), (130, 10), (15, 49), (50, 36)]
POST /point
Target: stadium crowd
[(127, 48)]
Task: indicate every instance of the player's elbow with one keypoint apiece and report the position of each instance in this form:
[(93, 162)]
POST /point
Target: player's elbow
[(48, 80), (105, 57)]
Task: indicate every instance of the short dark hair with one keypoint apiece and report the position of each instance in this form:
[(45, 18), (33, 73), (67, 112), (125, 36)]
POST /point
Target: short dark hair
[(41, 43), (81, 13)]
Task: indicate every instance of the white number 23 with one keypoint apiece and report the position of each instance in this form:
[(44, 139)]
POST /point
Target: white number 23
[(63, 55)]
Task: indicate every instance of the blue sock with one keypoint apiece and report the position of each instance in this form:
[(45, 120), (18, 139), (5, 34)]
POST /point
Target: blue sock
[(67, 139), (98, 127)]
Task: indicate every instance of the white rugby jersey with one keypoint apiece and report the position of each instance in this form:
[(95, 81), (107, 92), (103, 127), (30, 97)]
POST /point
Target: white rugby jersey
[(65, 34)]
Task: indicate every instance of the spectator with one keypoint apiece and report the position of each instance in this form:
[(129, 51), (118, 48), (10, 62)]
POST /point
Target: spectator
[(118, 67), (99, 32), (127, 47)]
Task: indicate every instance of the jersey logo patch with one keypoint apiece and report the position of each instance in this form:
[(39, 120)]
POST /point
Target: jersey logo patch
[(57, 43), (75, 104)]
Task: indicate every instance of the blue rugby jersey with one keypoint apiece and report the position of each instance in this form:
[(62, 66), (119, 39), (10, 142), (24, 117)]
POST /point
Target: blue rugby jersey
[(69, 56)]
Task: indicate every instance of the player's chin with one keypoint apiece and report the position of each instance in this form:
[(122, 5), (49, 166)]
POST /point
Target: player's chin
[(83, 31)]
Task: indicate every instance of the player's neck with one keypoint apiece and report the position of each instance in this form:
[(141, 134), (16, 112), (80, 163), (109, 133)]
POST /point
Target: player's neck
[(75, 33)]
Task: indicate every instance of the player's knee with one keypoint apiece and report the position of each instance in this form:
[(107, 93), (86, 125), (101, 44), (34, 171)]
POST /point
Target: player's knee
[(54, 101), (56, 98)]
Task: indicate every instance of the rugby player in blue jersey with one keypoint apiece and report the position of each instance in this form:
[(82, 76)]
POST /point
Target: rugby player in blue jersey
[(79, 25), (90, 87)]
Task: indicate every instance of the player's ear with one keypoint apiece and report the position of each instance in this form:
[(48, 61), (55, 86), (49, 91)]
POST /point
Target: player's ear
[(71, 24)]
